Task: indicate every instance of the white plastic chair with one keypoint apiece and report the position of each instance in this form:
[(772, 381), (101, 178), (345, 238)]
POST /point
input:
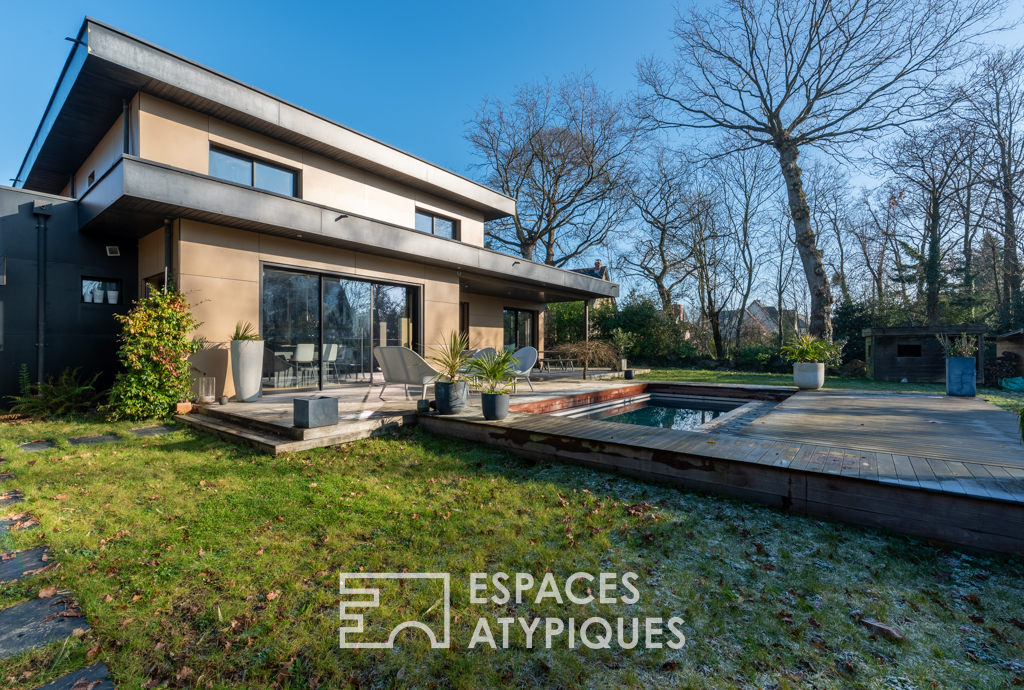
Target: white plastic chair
[(402, 365), (329, 360), (304, 358), (526, 359)]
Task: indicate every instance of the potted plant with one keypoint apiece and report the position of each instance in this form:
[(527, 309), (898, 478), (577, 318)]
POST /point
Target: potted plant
[(961, 367), (809, 355), (451, 390), (494, 375), (246, 362)]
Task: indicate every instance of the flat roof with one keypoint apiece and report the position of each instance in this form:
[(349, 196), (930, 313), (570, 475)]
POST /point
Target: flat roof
[(107, 66)]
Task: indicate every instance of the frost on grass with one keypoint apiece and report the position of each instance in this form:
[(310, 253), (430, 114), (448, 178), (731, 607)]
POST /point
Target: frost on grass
[(188, 553)]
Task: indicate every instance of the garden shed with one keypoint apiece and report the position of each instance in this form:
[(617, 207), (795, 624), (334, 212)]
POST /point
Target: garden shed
[(914, 352)]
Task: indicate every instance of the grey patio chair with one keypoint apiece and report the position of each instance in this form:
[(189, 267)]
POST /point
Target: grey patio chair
[(526, 358), (402, 365)]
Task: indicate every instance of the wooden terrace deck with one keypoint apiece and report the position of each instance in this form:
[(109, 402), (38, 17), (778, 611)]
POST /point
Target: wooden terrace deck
[(931, 466)]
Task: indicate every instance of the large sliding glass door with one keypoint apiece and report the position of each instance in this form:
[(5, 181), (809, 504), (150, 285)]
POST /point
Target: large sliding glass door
[(320, 330)]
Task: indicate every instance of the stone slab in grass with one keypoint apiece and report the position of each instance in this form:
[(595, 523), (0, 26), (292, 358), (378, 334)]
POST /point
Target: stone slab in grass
[(90, 440), (9, 498), (90, 674), (158, 430), (35, 446), (35, 623), (23, 562)]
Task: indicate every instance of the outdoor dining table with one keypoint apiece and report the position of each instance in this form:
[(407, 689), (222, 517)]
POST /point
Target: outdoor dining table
[(544, 362)]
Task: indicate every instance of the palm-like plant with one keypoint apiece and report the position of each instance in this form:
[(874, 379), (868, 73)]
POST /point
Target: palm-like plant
[(807, 348), (493, 372), (451, 357)]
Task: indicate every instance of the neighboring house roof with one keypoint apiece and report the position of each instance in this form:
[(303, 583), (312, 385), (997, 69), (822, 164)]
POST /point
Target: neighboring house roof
[(107, 66)]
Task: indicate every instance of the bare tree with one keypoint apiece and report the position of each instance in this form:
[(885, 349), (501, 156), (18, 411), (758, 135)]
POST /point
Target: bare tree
[(996, 108), (785, 259), (929, 162), (711, 247), (562, 152), (746, 190), (659, 251), (793, 74)]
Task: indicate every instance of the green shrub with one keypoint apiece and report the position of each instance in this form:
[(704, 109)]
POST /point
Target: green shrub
[(657, 333), (155, 347), (61, 398), (754, 357)]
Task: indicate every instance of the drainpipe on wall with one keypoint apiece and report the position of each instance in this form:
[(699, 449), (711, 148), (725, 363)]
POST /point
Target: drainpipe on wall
[(168, 252), (41, 211)]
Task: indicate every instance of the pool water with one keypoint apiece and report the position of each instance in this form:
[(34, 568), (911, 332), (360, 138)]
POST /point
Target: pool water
[(684, 416)]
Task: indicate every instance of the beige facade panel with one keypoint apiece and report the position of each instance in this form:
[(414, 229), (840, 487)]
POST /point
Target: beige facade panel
[(104, 156), (151, 256), (174, 135)]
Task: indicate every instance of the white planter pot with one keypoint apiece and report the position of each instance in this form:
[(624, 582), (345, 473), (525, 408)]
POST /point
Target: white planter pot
[(97, 296), (809, 375), (112, 296), (247, 369), (87, 296)]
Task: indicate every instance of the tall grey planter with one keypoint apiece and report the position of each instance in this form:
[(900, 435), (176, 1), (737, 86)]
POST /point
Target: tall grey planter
[(247, 369), (961, 377)]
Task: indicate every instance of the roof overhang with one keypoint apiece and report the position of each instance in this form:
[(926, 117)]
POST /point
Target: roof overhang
[(107, 66), (135, 196)]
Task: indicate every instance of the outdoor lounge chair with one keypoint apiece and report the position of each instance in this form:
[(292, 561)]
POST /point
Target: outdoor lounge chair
[(526, 359), (402, 365)]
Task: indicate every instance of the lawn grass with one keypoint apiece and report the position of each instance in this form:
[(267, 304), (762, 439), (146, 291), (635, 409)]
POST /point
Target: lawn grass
[(1008, 400), (202, 564)]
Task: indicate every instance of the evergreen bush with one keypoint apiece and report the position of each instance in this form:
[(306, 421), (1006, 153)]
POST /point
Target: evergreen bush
[(155, 346)]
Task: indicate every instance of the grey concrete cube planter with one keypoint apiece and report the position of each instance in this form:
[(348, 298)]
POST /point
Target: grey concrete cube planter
[(961, 377), (315, 411)]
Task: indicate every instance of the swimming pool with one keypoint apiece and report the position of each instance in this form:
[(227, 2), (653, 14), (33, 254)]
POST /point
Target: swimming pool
[(682, 413)]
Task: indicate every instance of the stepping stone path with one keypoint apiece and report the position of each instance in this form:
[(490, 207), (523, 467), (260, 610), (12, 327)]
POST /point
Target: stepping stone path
[(40, 621), (89, 440), (93, 677), (144, 432), (37, 446)]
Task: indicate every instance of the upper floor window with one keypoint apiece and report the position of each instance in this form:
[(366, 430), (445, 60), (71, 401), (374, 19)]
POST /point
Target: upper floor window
[(235, 167), (436, 225)]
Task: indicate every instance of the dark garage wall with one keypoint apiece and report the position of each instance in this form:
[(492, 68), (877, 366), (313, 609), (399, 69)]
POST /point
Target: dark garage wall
[(78, 334)]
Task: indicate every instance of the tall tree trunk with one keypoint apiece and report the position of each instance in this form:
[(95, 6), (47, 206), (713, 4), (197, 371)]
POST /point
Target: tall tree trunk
[(1011, 261), (933, 261), (716, 327), (810, 255), (665, 295)]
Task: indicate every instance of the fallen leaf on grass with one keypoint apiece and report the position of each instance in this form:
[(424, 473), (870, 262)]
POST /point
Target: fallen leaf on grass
[(1016, 623), (107, 599), (78, 632), (60, 497), (125, 623), (183, 673), (274, 595), (670, 666), (881, 629), (92, 653), (83, 684), (47, 592), (976, 619)]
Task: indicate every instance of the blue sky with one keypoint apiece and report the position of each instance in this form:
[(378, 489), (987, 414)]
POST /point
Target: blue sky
[(407, 73)]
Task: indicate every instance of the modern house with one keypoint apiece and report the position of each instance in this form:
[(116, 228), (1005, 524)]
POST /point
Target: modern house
[(149, 168)]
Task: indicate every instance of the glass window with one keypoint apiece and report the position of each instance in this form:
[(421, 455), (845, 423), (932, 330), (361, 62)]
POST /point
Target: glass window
[(291, 329), (436, 225), (102, 291), (518, 328), (275, 179), (227, 166), (234, 167)]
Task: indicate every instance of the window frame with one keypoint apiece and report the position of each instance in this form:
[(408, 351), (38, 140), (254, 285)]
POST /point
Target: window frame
[(434, 217), (252, 161)]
